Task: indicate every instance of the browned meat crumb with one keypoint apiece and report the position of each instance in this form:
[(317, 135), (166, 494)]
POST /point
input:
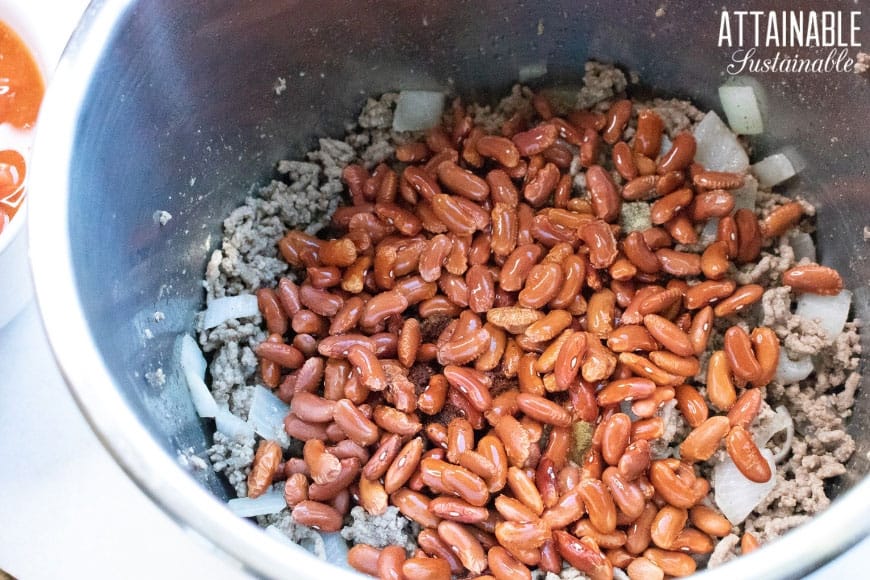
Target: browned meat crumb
[(432, 327), (519, 101), (675, 430), (419, 374), (770, 266), (725, 550), (233, 458), (600, 83), (306, 537), (678, 115), (501, 383), (391, 528)]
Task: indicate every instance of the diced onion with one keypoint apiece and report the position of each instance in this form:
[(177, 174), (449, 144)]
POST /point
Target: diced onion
[(618, 574), (625, 407), (746, 196), (666, 144), (718, 148), (336, 549), (276, 533), (780, 421), (267, 414), (709, 231), (270, 502), (532, 71), (735, 495), (418, 110), (201, 396), (192, 358), (830, 312), (229, 307), (193, 366), (790, 371), (773, 170), (331, 547), (803, 246), (232, 426), (742, 109)]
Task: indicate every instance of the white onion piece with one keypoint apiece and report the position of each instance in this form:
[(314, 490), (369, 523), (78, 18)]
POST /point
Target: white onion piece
[(531, 71), (709, 231), (666, 144), (618, 574), (232, 426), (192, 358), (201, 397), (780, 421), (229, 307), (267, 414), (830, 312), (270, 502), (742, 109), (773, 170), (790, 371), (735, 495), (625, 407), (276, 533), (718, 147), (193, 367), (803, 246), (418, 110), (746, 196), (336, 549)]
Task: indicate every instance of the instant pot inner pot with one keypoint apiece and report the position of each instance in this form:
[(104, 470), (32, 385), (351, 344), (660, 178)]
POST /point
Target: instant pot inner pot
[(194, 103)]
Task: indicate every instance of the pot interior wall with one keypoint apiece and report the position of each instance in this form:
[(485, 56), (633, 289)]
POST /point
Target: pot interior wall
[(183, 116)]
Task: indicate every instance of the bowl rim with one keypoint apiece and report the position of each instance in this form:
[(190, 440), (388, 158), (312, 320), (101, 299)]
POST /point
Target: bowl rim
[(156, 473)]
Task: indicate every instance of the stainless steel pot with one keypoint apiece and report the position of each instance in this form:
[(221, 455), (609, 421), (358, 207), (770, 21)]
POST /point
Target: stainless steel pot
[(169, 105)]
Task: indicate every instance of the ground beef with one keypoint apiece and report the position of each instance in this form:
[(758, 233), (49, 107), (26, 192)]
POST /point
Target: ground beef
[(568, 573), (635, 216), (306, 196), (233, 458), (678, 115), (308, 538), (389, 529), (234, 364), (378, 113), (770, 266), (189, 459), (819, 406), (674, 432), (519, 101), (248, 256), (724, 551), (600, 83)]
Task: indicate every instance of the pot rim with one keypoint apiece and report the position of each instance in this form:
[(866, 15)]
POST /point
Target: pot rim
[(156, 473)]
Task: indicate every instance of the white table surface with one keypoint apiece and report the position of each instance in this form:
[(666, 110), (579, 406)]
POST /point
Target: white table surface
[(66, 509)]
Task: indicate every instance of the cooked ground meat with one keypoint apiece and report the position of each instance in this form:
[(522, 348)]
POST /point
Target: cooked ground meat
[(305, 193), (389, 529)]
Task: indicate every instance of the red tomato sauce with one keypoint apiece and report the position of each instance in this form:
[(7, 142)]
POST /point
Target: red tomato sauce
[(21, 90)]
